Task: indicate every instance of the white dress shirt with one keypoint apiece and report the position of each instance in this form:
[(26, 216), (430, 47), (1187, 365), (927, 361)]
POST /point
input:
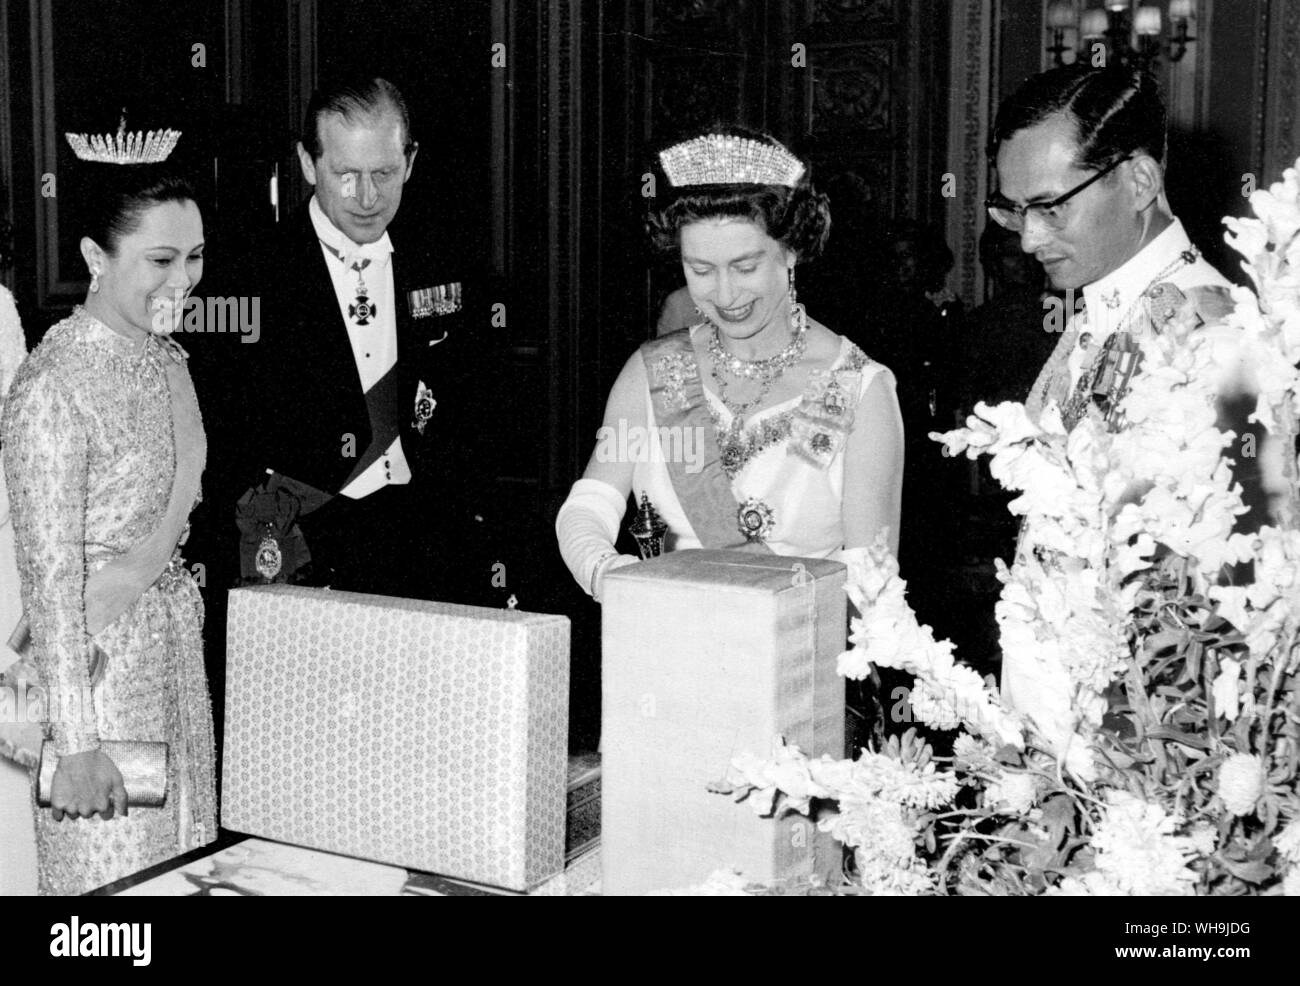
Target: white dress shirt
[(374, 346)]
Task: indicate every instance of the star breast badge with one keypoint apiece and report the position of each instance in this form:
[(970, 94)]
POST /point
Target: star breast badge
[(424, 405)]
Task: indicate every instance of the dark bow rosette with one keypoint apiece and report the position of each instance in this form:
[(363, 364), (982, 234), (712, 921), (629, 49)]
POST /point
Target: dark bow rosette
[(271, 545)]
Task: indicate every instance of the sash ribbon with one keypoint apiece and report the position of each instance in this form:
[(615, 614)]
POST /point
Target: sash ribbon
[(680, 403)]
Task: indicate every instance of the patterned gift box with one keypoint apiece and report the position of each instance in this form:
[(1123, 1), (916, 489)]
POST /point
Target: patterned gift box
[(708, 655), (427, 735)]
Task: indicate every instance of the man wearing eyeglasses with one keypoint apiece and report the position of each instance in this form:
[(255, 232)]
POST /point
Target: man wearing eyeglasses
[(1080, 177), (1080, 158)]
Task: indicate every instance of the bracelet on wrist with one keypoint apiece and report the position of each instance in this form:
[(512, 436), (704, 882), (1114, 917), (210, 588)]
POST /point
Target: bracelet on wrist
[(599, 567)]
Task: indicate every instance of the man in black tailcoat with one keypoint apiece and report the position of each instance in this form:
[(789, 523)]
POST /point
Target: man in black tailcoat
[(359, 405)]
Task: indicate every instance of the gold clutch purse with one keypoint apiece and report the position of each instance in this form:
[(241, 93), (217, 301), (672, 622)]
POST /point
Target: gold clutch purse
[(143, 765)]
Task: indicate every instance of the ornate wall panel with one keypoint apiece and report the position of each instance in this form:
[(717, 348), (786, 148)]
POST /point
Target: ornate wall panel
[(853, 89), (876, 105), (1282, 89), (699, 19), (566, 207), (698, 63), (691, 92), (969, 120), (851, 15)]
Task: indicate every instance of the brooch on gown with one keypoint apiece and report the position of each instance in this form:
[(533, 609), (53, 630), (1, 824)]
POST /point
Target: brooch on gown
[(822, 423), (671, 371), (755, 519), (737, 446)]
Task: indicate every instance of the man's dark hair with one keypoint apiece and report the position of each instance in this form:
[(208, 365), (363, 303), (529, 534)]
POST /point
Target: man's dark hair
[(354, 99), (1115, 111)]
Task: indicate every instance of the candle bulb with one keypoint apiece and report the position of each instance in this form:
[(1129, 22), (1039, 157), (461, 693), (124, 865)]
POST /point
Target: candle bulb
[(1094, 23), (1061, 15), (1117, 5), (1147, 22)]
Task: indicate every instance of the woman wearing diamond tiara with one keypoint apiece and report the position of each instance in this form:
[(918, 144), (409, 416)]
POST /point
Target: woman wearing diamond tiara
[(103, 448), (758, 427)]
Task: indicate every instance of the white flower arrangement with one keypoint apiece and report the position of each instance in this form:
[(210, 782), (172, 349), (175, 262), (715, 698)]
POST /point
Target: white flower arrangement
[(1117, 590)]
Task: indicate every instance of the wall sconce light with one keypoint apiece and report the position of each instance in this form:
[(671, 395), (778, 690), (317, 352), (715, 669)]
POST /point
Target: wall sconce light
[(1133, 33)]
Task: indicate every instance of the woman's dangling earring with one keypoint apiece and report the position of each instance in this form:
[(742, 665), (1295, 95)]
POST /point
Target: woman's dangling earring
[(94, 281), (794, 298)]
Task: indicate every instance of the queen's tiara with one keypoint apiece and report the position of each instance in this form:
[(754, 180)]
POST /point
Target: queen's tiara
[(124, 148), (720, 159)]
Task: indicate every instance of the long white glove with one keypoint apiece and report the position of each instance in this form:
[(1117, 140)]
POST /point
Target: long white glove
[(586, 528)]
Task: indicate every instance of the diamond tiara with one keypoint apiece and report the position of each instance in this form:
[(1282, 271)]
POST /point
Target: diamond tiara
[(124, 148), (720, 159)]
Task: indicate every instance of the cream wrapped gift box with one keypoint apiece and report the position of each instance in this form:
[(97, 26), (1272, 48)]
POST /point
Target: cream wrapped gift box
[(423, 734), (708, 655)]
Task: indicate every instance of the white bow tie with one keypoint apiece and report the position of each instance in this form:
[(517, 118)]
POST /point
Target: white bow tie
[(350, 253)]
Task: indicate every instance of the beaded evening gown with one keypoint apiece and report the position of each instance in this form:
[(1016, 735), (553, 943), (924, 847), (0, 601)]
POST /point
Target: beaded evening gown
[(90, 455), (13, 350)]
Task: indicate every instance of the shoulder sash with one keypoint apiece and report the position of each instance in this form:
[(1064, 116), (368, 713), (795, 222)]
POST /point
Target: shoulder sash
[(680, 402)]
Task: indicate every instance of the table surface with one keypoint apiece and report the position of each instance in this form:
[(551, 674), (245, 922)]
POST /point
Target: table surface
[(238, 865)]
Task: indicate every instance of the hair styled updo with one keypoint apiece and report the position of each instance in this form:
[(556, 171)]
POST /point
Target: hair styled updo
[(114, 198), (798, 218)]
